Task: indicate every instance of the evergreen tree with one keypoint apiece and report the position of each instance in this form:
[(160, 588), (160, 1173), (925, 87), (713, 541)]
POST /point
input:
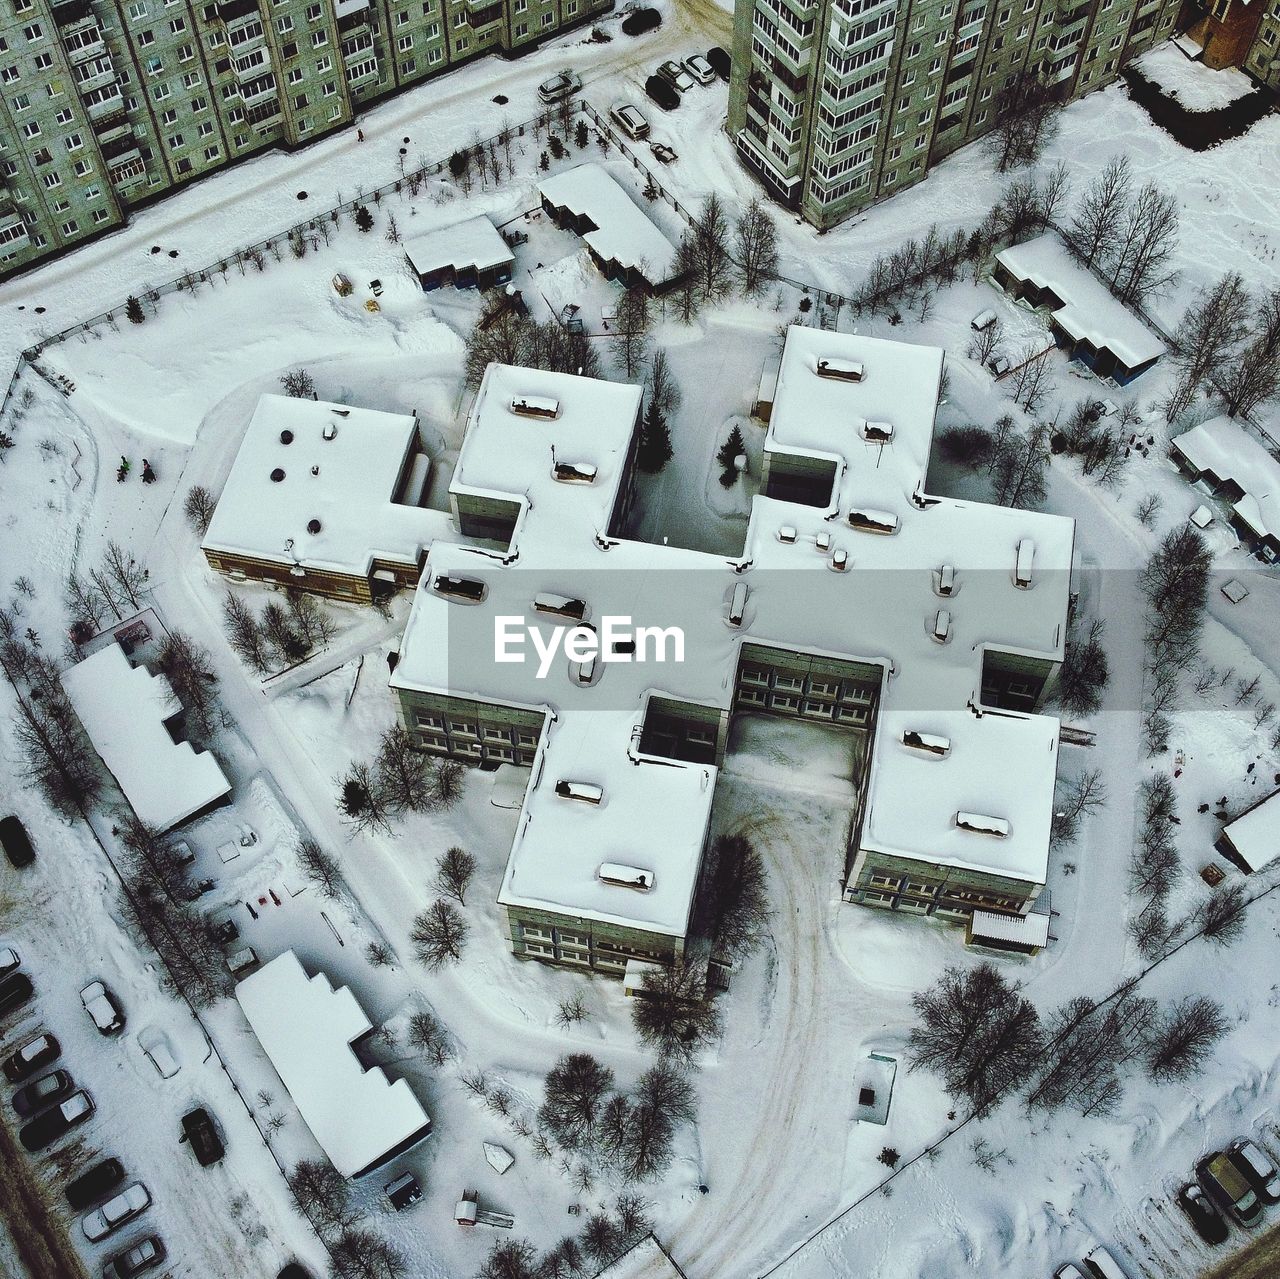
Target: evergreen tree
[(655, 440), (133, 310), (364, 219)]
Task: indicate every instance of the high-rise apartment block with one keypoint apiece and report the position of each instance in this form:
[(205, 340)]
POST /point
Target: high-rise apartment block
[(835, 104), (105, 106)]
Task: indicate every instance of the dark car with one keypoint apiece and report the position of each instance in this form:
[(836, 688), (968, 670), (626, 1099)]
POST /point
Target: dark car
[(43, 1092), (720, 61), (662, 92), (640, 21), (144, 1255), (45, 1129), (1203, 1214), (35, 1053), (94, 1183), (199, 1130), (15, 990), (294, 1270), (17, 844)]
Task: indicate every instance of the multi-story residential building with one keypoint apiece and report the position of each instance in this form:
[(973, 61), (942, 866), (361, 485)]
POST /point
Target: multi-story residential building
[(107, 106), (1237, 33), (929, 629), (836, 104)]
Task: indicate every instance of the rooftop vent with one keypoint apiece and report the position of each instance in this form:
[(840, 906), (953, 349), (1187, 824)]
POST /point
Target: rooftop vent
[(1022, 564), (786, 534), (313, 527), (535, 406), (981, 825), (315, 470), (277, 475), (877, 432), (341, 412), (560, 606), (574, 473), (738, 604), (941, 626), (839, 560), (583, 791), (286, 437), (867, 520), (462, 588), (587, 671), (930, 743), (626, 876), (823, 542), (330, 431), (947, 579), (842, 370)]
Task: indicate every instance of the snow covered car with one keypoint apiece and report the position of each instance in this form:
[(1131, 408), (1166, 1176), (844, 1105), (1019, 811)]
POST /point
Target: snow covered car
[(15, 990), (1258, 1169), (559, 86), (1203, 1214), (35, 1053), (92, 1184), (1100, 1264), (131, 1202), (145, 1255), (629, 120), (9, 960), (1068, 1270), (159, 1051), (699, 68), (675, 75), (661, 92), (46, 1128), (100, 1004), (199, 1130), (43, 1092), (661, 152)]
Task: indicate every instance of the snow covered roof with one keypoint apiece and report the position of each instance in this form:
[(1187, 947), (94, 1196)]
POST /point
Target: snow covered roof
[(473, 242), (647, 1260), (625, 234), (1021, 930), (124, 709), (1255, 834), (1224, 447), (306, 1027), (1089, 310), (326, 486)]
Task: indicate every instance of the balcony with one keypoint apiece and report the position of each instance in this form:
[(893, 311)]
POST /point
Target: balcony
[(107, 114), (258, 90), (100, 78), (231, 10), (68, 14), (92, 47), (128, 171), (247, 69)]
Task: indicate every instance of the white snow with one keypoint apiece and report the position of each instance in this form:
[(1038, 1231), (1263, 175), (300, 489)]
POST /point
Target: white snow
[(308, 1028), (124, 709), (1255, 834), (1089, 311), (329, 499), (1194, 85), (624, 233), (1227, 449), (472, 242)]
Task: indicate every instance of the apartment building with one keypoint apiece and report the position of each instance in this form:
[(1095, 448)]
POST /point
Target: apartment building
[(107, 106), (835, 104)]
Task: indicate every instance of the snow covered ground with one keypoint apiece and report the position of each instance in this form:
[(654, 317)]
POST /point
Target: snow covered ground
[(776, 1140)]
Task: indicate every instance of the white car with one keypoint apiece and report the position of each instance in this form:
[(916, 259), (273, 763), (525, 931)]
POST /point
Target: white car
[(155, 1043), (676, 76), (1258, 1169), (559, 86), (1099, 1263), (9, 960), (700, 69), (102, 1007), (629, 120), (113, 1214)]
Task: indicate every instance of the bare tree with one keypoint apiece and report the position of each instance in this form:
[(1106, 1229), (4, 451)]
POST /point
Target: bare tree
[(674, 1014), (84, 602), (198, 507), (189, 670), (572, 1010), (1026, 120), (447, 780), (1095, 226), (361, 798), (323, 1196), (1031, 380), (310, 619), (1183, 1038), (1019, 466), (439, 933), (510, 1259), (359, 1253), (664, 390), (631, 324), (710, 243), (755, 240), (319, 867), (1208, 338), (280, 633), (986, 342), (1146, 246), (453, 874), (299, 384), (1148, 508), (244, 634), (428, 1035), (573, 1097), (1221, 917), (1252, 377), (404, 773), (737, 888), (129, 575)]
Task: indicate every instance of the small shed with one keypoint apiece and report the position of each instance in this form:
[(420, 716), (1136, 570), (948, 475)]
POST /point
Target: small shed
[(875, 1088), (1252, 841), (1023, 934), (470, 254), (762, 409)]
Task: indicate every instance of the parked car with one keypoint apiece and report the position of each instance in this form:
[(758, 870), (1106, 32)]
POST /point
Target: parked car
[(559, 86), (1258, 1169), (1100, 1264), (35, 1053), (675, 75), (629, 120), (661, 152), (131, 1202), (1068, 1270), (15, 990), (1203, 1214), (94, 1183), (9, 960), (720, 60), (198, 1128), (660, 91), (1227, 1187), (43, 1092), (16, 842), (145, 1255), (699, 68), (403, 1192), (294, 1270), (639, 21), (155, 1043), (101, 1005), (46, 1128)]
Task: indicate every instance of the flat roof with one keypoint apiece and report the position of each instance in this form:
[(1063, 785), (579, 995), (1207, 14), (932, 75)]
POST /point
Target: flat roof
[(124, 709), (1022, 930), (1223, 446), (472, 242), (1089, 310), (306, 1027), (342, 467), (625, 233), (1255, 834)]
